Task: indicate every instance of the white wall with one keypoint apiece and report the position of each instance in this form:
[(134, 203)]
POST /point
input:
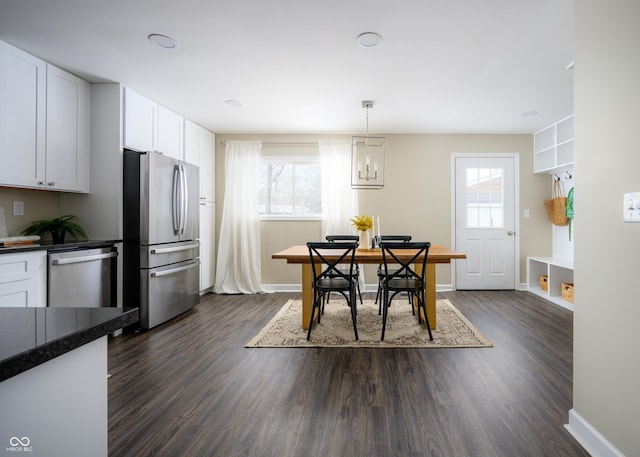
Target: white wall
[(607, 251)]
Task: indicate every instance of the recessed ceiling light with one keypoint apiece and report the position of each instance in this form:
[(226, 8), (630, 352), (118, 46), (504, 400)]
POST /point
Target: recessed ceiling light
[(529, 113), (233, 103), (163, 41), (369, 39)]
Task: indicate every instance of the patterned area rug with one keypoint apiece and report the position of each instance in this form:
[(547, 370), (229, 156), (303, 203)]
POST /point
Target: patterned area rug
[(336, 330)]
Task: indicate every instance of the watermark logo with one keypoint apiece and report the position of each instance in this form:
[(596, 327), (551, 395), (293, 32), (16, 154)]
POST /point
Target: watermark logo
[(20, 444)]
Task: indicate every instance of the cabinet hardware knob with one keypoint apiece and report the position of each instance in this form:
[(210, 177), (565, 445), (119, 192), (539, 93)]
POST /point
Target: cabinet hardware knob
[(511, 233), (51, 183)]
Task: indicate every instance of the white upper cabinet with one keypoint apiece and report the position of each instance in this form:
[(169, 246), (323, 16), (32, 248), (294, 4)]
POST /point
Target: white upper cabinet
[(23, 83), (67, 153), (192, 142), (44, 124), (149, 126), (170, 133), (553, 147), (140, 120), (199, 149)]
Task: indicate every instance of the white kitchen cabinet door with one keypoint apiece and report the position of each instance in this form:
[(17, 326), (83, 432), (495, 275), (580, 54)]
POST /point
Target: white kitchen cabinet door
[(207, 245), (170, 133), (67, 153), (140, 121), (192, 142), (199, 149), (207, 166), (23, 279), (22, 117)]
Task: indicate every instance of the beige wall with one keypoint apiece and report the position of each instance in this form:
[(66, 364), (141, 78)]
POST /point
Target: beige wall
[(416, 198), (37, 205), (607, 251)]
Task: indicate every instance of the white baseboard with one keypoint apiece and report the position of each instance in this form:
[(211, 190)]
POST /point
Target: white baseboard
[(590, 438), (368, 287)]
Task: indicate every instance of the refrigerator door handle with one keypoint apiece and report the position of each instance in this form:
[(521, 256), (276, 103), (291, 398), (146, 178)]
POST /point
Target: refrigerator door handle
[(185, 200), (157, 274), (176, 200)]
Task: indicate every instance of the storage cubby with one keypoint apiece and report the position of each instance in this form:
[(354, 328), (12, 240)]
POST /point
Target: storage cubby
[(553, 147), (557, 271)]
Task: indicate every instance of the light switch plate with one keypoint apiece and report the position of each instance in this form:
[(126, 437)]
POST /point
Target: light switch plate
[(631, 209)]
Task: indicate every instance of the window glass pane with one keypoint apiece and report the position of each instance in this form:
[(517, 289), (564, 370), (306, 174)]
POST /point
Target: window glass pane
[(289, 188), (307, 198), (484, 197)]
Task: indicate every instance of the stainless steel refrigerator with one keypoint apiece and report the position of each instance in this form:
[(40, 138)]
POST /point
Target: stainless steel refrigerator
[(161, 225)]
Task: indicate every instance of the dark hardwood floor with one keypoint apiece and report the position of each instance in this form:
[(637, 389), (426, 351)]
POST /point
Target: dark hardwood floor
[(190, 388)]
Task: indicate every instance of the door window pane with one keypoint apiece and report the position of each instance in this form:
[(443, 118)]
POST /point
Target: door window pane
[(485, 198)]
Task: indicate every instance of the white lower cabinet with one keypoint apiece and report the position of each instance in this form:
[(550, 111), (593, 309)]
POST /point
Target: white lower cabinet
[(557, 271), (207, 245), (23, 279)]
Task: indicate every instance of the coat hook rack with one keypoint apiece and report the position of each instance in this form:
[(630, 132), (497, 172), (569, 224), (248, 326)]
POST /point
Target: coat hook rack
[(568, 175)]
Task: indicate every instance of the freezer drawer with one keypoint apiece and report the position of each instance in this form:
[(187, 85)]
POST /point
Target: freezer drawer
[(168, 291), (83, 278), (165, 254)]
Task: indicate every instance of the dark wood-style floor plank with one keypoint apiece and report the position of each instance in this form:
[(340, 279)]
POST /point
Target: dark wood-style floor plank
[(190, 388)]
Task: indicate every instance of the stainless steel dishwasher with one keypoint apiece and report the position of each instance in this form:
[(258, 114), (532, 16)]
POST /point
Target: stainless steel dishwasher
[(82, 277)]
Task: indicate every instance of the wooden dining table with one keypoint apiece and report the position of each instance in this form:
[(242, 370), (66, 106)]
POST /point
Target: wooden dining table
[(438, 254)]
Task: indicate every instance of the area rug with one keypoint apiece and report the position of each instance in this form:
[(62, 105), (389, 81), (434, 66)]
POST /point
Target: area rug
[(336, 330)]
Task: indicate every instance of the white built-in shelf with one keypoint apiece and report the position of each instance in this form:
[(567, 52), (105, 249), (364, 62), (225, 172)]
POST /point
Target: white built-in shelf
[(553, 147), (557, 271)]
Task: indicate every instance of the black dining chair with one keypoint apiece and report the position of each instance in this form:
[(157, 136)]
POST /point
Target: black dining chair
[(326, 263), (391, 238), (356, 269), (404, 278)]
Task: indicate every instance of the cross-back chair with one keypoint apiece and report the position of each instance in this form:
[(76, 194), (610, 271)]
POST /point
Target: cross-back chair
[(356, 267), (328, 276), (402, 276), (388, 238)]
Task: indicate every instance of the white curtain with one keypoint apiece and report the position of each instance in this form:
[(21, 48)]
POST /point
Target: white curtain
[(238, 267), (339, 200)]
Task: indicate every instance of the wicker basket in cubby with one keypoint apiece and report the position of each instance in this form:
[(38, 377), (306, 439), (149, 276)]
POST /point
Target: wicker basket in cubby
[(544, 283), (567, 291)]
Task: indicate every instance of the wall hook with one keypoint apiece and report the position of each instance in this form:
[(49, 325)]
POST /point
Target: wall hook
[(568, 175)]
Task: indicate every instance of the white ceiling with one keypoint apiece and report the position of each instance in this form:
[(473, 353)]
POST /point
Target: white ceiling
[(444, 66)]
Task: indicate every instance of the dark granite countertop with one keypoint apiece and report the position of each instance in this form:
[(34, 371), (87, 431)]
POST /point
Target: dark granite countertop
[(32, 336), (49, 246)]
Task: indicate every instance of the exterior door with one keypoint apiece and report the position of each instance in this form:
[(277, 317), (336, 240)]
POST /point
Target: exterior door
[(485, 221)]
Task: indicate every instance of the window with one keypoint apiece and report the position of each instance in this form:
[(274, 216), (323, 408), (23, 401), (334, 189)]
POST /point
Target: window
[(289, 187), (484, 198)]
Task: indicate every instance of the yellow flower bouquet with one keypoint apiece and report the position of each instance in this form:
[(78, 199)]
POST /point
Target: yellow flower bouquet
[(362, 223)]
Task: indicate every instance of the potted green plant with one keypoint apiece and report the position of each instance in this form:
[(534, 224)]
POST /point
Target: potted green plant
[(58, 228)]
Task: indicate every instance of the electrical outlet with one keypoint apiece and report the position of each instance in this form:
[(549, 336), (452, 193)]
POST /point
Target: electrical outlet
[(18, 208)]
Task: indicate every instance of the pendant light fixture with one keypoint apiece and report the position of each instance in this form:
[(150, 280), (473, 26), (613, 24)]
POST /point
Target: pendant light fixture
[(367, 158)]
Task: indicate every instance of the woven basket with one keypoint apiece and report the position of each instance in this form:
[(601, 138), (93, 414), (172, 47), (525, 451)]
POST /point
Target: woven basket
[(557, 205)]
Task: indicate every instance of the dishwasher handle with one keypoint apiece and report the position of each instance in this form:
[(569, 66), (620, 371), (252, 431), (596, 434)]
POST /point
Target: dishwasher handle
[(86, 258)]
